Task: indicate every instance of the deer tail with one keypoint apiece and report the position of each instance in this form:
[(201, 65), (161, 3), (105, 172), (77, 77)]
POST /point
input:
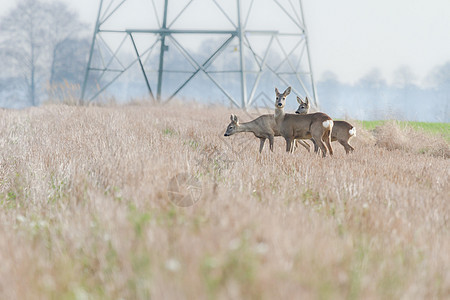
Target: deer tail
[(327, 123), (352, 131)]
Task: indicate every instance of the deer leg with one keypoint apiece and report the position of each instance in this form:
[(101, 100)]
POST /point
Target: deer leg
[(351, 149), (321, 145), (327, 138), (271, 142), (330, 149), (304, 144), (316, 148), (261, 144), (295, 145), (323, 148), (288, 145), (347, 146)]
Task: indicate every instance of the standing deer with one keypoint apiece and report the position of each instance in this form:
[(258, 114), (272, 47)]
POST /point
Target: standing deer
[(264, 127), (317, 126), (342, 130)]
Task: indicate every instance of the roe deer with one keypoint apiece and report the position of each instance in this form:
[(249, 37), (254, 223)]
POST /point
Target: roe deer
[(317, 126), (342, 130), (263, 127)]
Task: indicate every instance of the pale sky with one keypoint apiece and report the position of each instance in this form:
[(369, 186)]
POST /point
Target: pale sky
[(352, 37)]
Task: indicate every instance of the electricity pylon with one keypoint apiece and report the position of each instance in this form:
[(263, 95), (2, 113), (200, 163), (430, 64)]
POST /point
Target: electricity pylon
[(256, 41)]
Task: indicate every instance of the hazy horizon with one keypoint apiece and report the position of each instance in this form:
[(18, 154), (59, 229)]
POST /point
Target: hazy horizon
[(350, 38), (364, 54)]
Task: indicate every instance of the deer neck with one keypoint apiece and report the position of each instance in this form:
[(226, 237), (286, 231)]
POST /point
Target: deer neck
[(246, 127), (279, 114)]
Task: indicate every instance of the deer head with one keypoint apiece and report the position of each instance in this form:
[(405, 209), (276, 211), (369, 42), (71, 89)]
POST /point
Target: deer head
[(233, 126), (280, 101), (303, 107)]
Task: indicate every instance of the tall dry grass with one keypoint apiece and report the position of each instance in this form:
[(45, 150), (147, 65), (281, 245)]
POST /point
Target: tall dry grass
[(85, 212), (394, 136)]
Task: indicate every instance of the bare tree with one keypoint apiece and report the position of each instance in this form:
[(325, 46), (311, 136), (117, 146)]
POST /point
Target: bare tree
[(22, 43), (69, 61), (404, 77), (374, 86), (373, 80), (439, 78), (67, 71), (29, 38), (63, 29)]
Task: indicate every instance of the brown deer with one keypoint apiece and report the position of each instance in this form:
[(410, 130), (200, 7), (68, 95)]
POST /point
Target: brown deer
[(315, 126), (342, 130), (263, 127)]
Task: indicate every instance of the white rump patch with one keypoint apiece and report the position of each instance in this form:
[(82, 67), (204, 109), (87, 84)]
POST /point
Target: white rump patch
[(327, 123), (352, 131)]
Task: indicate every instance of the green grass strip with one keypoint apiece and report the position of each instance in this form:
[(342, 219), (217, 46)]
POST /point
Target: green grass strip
[(434, 128)]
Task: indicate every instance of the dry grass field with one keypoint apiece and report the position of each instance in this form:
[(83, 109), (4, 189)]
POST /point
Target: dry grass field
[(87, 209)]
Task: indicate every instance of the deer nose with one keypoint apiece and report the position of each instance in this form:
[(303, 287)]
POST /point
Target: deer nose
[(225, 134), (297, 112), (279, 104)]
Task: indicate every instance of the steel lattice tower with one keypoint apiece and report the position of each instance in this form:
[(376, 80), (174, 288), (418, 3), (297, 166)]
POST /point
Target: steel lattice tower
[(258, 43)]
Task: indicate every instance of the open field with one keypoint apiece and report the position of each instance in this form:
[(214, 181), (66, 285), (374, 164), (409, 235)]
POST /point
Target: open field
[(86, 209), (442, 129)]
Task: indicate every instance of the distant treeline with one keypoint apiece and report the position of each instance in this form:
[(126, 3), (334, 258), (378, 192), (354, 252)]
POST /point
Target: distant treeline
[(48, 61), (373, 99)]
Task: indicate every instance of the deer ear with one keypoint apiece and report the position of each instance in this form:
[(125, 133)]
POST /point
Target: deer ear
[(287, 91), (232, 117), (235, 119), (299, 100), (306, 100), (277, 92)]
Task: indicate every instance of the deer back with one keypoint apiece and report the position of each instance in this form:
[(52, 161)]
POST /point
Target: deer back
[(263, 125), (300, 126)]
